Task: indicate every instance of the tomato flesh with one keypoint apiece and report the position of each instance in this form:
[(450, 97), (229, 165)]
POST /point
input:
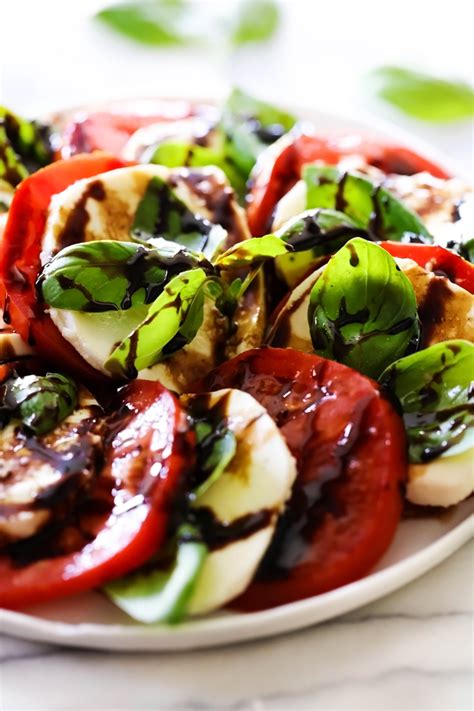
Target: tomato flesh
[(349, 445), (436, 259), (125, 518), (279, 168), (20, 251)]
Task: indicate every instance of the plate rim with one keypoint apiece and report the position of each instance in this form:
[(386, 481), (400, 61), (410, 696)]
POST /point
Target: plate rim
[(222, 630)]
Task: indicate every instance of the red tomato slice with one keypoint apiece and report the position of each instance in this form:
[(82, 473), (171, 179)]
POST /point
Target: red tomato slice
[(350, 449), (110, 130), (150, 451), (20, 256), (436, 259), (279, 167)]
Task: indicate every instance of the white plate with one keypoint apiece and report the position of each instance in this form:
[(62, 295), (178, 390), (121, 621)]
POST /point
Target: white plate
[(420, 544)]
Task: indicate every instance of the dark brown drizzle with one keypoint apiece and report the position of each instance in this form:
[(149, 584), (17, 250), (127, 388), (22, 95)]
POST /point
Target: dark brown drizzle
[(76, 222)]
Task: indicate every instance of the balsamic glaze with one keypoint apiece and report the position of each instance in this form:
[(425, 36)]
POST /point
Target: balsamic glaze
[(77, 220), (216, 534)]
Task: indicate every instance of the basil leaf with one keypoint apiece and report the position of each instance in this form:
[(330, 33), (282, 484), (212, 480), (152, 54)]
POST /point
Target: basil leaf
[(151, 22), (252, 252), (40, 402), (108, 275), (423, 96), (162, 215), (362, 309), (435, 392), (371, 206), (257, 21), (162, 595), (313, 234), (25, 146), (150, 341)]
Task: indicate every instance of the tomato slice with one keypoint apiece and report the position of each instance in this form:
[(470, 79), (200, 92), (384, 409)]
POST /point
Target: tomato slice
[(110, 130), (279, 167), (125, 519), (20, 256), (436, 259), (350, 449)]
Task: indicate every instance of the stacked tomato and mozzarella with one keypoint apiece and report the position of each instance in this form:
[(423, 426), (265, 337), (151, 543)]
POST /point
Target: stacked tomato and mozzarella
[(309, 497)]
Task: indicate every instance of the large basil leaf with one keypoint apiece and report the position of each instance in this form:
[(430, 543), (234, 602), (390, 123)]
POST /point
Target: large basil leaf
[(362, 309), (107, 275), (434, 388), (163, 594), (40, 402), (371, 206), (171, 322), (162, 215), (252, 252), (313, 234), (24, 147)]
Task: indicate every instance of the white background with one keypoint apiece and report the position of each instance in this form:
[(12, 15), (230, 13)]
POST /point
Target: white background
[(53, 55)]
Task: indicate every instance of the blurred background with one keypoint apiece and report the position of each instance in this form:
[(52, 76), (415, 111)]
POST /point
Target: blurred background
[(315, 54)]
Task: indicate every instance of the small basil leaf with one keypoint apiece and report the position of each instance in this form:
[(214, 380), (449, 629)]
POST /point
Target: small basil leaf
[(150, 22), (25, 146), (163, 595), (146, 345), (40, 402), (252, 252), (435, 392), (313, 234), (423, 96), (362, 309), (371, 206), (107, 275), (162, 215), (257, 21)]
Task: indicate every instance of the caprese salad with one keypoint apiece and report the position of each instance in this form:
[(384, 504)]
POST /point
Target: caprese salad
[(232, 348)]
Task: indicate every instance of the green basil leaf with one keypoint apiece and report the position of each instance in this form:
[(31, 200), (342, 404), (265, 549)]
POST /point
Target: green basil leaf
[(257, 21), (362, 309), (148, 343), (163, 595), (423, 96), (252, 252), (162, 215), (40, 402), (151, 22), (435, 392), (25, 146), (313, 234), (107, 275), (371, 206)]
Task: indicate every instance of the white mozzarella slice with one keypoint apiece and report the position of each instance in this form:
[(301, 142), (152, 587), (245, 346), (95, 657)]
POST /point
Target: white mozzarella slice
[(12, 345), (442, 482), (258, 479), (454, 309), (25, 475), (290, 205), (142, 144)]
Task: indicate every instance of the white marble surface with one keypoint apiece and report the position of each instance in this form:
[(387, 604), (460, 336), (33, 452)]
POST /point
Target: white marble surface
[(411, 650)]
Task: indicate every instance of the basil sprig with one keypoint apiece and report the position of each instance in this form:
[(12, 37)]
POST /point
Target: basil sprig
[(107, 275), (161, 215), (434, 389), (24, 147), (362, 309), (40, 402), (371, 206), (252, 252)]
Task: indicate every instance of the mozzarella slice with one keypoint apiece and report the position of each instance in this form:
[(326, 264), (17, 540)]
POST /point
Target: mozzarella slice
[(142, 144), (444, 481), (446, 310), (290, 205), (12, 345), (36, 475), (257, 482)]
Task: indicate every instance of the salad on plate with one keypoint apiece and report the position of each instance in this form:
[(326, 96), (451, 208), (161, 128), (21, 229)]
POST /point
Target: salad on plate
[(234, 351)]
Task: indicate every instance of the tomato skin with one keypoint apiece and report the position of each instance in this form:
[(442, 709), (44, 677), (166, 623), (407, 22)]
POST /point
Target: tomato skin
[(280, 166), (350, 449), (434, 258), (20, 251), (143, 476)]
